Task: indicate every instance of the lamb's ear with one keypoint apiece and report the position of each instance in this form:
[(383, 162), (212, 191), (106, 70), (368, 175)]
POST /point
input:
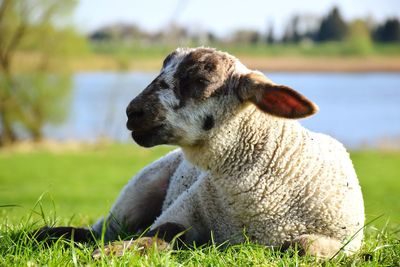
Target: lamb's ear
[(278, 100)]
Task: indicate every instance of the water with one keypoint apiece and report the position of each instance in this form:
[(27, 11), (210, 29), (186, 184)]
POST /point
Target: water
[(359, 109)]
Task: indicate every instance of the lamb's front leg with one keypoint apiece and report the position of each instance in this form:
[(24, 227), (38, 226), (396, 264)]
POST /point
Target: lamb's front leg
[(137, 207), (159, 239), (183, 219), (141, 200), (318, 245)]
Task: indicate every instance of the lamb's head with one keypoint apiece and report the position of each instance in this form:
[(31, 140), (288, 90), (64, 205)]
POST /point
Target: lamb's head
[(199, 89)]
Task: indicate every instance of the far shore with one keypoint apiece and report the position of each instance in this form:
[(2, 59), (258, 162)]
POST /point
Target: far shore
[(271, 64), (328, 64), (93, 62)]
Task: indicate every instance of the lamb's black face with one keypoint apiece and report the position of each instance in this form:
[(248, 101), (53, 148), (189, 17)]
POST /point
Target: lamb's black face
[(146, 117), (177, 105)]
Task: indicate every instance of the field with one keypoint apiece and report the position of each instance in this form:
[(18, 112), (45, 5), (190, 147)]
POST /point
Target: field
[(72, 186)]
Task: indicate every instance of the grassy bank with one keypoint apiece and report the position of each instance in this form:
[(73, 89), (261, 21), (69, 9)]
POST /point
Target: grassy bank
[(330, 49), (78, 186), (311, 57)]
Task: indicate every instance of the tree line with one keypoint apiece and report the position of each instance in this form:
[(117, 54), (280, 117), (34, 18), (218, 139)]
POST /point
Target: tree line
[(331, 27)]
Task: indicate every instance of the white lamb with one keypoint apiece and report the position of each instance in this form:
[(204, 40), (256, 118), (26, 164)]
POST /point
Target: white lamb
[(244, 164)]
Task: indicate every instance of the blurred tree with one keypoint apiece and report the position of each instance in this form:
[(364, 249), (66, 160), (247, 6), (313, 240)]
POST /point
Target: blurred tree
[(295, 28), (246, 37), (270, 39), (359, 38), (388, 31), (175, 34), (47, 97), (118, 32), (332, 28), (301, 29), (37, 27), (212, 38), (292, 34)]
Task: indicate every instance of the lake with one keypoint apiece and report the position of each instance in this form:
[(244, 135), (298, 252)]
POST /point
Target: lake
[(359, 109)]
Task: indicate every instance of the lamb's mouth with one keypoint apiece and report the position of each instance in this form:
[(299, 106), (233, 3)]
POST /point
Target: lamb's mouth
[(148, 137)]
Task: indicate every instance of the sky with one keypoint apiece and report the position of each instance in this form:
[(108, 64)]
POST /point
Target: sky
[(221, 16)]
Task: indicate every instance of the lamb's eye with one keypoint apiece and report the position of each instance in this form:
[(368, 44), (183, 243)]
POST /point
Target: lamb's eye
[(202, 80), (164, 85)]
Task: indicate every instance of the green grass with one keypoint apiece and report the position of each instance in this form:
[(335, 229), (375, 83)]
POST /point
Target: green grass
[(331, 49), (76, 182), (75, 188)]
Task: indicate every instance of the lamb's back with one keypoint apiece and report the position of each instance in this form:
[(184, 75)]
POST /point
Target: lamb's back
[(310, 188)]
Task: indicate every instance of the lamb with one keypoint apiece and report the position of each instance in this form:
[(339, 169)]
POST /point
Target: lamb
[(244, 163)]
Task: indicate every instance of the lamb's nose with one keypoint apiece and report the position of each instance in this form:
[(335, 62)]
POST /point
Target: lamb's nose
[(134, 112), (135, 115)]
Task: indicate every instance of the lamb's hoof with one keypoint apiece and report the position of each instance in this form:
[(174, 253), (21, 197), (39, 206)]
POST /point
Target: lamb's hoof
[(140, 245), (322, 247)]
